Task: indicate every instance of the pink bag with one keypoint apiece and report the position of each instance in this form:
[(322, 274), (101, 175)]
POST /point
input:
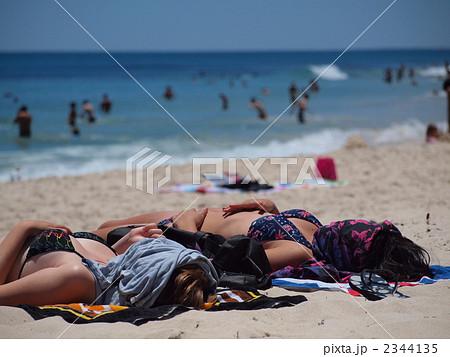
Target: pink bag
[(326, 168)]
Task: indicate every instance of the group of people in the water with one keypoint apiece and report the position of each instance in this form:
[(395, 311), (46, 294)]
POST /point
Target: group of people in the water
[(297, 98), (87, 112), (24, 119), (400, 73)]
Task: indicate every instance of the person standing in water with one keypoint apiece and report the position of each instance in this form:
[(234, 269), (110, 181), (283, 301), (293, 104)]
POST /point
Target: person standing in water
[(302, 106), (256, 104), (23, 118)]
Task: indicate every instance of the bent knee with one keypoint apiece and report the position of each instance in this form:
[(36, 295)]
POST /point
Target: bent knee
[(79, 282), (108, 224)]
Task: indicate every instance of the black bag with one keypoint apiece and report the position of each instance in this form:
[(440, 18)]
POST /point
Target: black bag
[(239, 260)]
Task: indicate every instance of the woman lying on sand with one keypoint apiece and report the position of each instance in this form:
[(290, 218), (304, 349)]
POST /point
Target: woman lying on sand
[(294, 236), (44, 263)]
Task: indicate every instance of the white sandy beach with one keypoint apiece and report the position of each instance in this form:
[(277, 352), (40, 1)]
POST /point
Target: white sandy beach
[(402, 183)]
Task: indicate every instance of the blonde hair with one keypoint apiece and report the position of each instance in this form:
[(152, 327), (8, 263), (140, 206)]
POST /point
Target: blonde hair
[(187, 286)]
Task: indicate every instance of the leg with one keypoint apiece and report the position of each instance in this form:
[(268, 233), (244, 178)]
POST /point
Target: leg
[(153, 217), (282, 253), (57, 285)]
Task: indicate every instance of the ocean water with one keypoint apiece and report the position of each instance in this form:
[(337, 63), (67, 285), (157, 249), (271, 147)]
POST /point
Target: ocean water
[(353, 100)]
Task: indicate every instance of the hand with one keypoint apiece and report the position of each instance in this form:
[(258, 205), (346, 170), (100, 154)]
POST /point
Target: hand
[(34, 227), (262, 205), (137, 234), (190, 220)]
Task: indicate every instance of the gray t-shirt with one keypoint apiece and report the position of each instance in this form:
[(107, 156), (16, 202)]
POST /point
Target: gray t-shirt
[(137, 277)]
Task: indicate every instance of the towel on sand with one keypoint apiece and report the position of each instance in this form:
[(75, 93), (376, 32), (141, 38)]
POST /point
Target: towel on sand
[(248, 299), (292, 283)]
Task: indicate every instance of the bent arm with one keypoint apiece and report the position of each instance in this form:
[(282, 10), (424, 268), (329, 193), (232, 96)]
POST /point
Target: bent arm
[(13, 242), (252, 204), (11, 246)]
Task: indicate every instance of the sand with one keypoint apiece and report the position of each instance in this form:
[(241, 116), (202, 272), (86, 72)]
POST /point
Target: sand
[(405, 184)]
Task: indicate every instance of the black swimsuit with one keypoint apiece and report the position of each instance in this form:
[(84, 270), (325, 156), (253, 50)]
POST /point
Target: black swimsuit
[(57, 239)]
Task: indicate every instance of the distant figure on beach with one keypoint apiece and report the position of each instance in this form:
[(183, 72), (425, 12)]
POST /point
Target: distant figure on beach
[(432, 135), (446, 88), (23, 118), (293, 92), (224, 101), (302, 106), (15, 175), (88, 109), (314, 87), (256, 104), (168, 94), (106, 104), (388, 75)]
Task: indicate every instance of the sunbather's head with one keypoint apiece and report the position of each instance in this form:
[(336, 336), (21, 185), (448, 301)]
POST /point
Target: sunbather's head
[(394, 252), (188, 286), (354, 245)]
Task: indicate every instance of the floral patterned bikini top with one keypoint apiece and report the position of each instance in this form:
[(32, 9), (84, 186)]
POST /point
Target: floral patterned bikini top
[(279, 226)]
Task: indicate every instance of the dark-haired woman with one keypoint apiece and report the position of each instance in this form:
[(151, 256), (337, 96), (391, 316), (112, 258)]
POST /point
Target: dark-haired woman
[(44, 263), (292, 237)]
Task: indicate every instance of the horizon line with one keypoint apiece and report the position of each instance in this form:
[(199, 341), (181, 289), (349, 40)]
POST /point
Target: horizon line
[(203, 51)]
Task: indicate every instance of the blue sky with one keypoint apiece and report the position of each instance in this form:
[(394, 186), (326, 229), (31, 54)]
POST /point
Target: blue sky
[(148, 25)]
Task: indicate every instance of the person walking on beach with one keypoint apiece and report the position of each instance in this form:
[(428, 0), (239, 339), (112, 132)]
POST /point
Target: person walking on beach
[(446, 87), (88, 109), (256, 104), (23, 118), (302, 106)]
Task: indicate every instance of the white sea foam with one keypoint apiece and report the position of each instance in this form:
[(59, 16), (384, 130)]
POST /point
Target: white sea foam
[(90, 160), (434, 71), (334, 73)]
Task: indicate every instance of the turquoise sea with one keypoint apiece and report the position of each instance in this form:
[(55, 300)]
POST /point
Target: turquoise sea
[(353, 99)]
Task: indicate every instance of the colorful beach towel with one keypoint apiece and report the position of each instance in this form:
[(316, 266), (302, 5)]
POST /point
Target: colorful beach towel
[(211, 187), (226, 300), (440, 273)]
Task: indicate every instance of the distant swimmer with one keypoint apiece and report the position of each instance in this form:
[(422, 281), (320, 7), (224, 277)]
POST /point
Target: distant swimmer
[(106, 104), (72, 117), (168, 94), (265, 91), (23, 118), (302, 107), (256, 104), (388, 75), (400, 72), (293, 92), (224, 101), (313, 86), (88, 109)]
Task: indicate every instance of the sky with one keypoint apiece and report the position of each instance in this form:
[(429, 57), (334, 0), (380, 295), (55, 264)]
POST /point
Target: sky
[(231, 25)]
